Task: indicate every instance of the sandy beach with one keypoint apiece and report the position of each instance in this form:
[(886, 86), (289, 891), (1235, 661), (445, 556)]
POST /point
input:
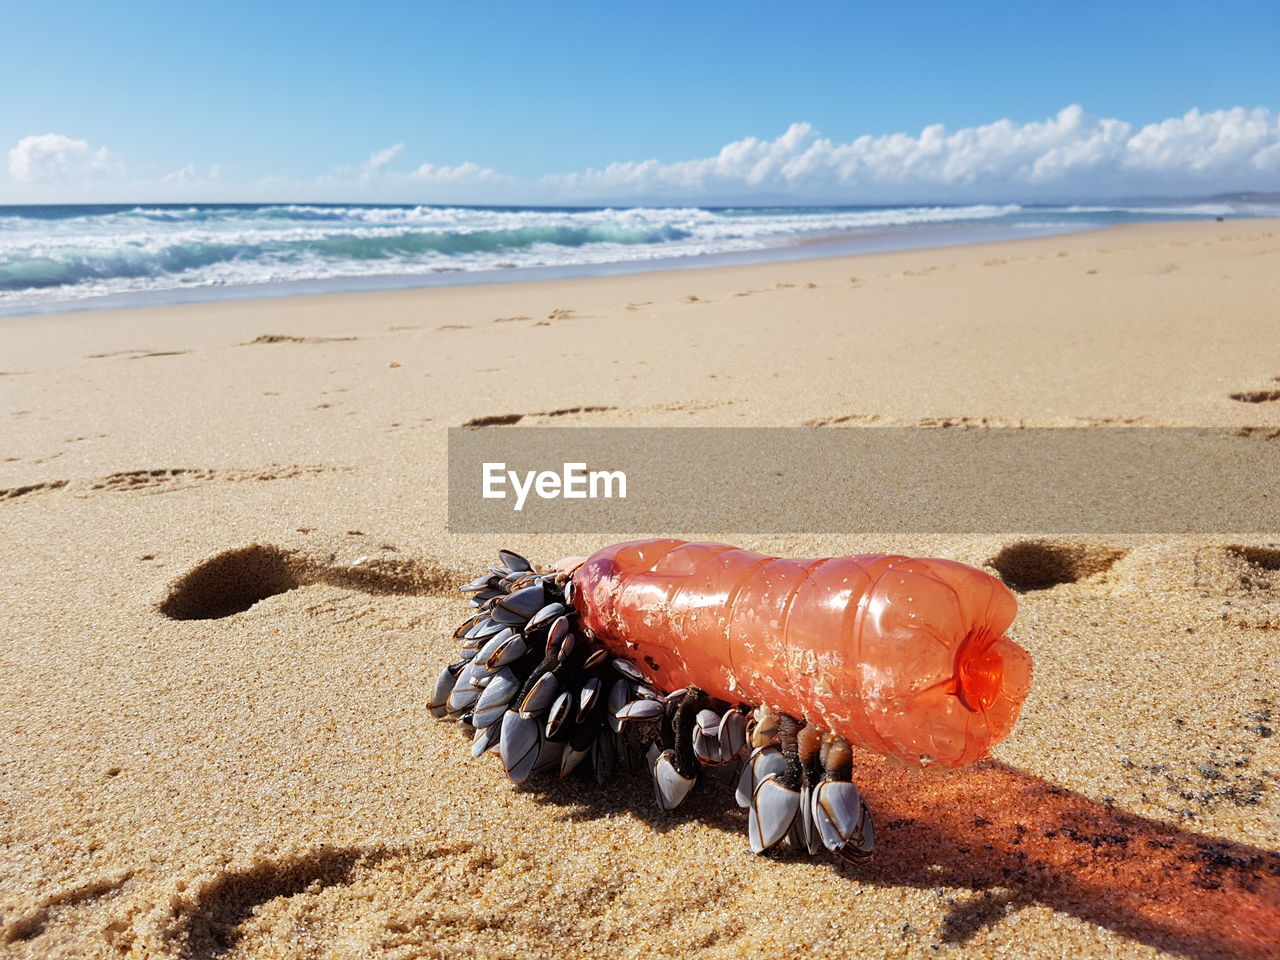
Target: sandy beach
[(182, 780)]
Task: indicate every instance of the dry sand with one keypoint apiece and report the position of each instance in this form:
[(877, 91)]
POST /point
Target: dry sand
[(269, 783)]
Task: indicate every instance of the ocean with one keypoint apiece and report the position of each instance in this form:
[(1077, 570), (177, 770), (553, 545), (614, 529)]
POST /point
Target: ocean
[(73, 257)]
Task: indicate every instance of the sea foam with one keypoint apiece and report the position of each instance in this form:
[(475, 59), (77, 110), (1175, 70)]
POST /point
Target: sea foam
[(67, 254)]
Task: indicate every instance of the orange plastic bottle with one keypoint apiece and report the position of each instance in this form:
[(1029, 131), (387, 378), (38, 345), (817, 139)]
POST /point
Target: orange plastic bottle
[(904, 657)]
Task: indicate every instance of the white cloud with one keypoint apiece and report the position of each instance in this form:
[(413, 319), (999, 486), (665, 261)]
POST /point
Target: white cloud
[(1069, 154), (463, 173), (51, 158), (1204, 142), (373, 174), (379, 159), (183, 174)]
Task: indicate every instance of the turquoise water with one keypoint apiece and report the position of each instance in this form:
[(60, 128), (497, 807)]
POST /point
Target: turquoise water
[(65, 257)]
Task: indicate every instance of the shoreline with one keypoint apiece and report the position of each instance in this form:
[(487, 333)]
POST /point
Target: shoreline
[(814, 247), (693, 268)]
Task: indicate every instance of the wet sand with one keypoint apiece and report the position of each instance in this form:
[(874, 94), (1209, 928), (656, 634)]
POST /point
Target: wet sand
[(228, 587)]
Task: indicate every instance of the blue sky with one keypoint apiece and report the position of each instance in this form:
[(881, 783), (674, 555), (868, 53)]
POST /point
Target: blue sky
[(520, 101)]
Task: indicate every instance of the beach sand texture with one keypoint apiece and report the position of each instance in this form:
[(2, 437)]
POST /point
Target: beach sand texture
[(227, 589)]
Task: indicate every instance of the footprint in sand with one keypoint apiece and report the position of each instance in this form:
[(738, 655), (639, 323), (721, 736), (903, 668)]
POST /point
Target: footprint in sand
[(267, 338), (853, 419), (234, 580), (1257, 396), (213, 914), (443, 898), (1030, 565), (12, 493), (136, 354), (173, 477), (51, 909), (494, 420), (509, 419)]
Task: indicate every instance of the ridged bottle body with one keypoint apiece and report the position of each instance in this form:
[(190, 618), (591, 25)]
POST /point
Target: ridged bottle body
[(905, 657)]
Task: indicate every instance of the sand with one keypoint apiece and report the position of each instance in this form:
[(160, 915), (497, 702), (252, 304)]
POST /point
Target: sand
[(228, 586)]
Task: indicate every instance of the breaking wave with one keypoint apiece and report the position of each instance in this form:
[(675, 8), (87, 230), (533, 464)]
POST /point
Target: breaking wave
[(68, 253)]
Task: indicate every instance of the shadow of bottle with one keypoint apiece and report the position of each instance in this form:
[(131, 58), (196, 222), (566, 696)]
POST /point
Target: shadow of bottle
[(995, 829), (1015, 840)]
